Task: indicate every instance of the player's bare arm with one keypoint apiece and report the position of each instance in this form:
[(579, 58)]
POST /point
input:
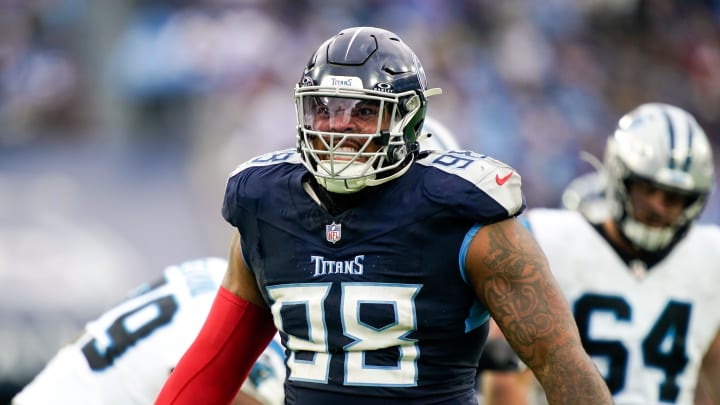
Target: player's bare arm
[(511, 277), (709, 381), (238, 278)]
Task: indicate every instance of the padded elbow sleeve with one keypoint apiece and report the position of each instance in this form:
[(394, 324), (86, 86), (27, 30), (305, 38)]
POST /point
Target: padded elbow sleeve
[(212, 370)]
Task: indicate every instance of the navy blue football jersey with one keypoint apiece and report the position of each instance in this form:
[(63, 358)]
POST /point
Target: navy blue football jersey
[(373, 302)]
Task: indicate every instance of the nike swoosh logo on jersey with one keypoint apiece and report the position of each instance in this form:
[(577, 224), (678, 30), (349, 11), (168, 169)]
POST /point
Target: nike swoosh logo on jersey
[(501, 180)]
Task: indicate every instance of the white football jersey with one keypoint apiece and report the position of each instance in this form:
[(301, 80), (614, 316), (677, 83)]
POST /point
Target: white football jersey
[(125, 356), (646, 331)]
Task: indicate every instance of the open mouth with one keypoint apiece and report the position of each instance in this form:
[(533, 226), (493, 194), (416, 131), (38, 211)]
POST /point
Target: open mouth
[(348, 149), (345, 153)]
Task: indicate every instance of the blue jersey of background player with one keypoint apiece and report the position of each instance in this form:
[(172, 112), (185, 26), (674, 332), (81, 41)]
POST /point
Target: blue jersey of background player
[(378, 263)]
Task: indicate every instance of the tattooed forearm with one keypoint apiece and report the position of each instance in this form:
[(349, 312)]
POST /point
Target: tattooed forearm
[(511, 277), (570, 378)]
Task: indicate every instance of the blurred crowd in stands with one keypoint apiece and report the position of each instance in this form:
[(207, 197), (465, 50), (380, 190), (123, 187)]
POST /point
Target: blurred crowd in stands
[(119, 119)]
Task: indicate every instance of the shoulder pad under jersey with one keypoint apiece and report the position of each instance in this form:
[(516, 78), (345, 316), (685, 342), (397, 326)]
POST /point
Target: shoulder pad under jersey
[(489, 176), (253, 179), (282, 156)]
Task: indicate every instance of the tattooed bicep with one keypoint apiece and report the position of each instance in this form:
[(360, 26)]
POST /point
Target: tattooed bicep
[(506, 248), (510, 275)]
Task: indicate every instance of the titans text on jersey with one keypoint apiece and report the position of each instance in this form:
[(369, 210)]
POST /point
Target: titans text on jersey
[(404, 313), (324, 266)]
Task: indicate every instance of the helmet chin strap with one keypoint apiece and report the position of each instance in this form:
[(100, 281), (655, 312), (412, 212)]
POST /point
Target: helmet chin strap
[(348, 186), (645, 237), (344, 185)]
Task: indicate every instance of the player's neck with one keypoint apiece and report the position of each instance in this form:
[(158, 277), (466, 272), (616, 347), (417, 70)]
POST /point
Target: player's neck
[(616, 238), (334, 203)]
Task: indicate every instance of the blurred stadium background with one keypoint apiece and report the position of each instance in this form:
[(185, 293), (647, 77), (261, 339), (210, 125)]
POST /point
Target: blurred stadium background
[(119, 120)]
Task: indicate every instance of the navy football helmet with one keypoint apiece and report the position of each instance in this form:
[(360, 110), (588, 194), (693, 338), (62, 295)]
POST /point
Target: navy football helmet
[(358, 70)]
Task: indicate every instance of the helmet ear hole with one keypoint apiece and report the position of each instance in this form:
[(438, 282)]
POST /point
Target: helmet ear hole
[(411, 104), (397, 153)]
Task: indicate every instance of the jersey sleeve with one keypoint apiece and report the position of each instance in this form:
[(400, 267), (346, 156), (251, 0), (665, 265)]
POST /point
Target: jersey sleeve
[(474, 185), (247, 183)]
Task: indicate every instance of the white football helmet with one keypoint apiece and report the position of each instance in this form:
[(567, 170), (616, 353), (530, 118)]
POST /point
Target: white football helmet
[(664, 145), (436, 136), (361, 69), (586, 193)]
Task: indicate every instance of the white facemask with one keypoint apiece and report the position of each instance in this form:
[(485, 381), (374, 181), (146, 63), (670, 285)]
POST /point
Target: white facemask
[(648, 238)]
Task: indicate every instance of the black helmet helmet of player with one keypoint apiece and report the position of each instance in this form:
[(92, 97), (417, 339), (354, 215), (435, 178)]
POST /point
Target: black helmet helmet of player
[(360, 104), (663, 146)]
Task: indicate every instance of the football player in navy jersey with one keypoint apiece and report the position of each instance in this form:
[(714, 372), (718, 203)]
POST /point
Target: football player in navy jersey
[(379, 264)]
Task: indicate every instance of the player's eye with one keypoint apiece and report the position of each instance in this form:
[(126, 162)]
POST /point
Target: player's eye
[(322, 111), (366, 111)]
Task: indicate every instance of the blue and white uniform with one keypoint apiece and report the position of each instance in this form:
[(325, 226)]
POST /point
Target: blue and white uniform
[(125, 356), (646, 329), (373, 303)]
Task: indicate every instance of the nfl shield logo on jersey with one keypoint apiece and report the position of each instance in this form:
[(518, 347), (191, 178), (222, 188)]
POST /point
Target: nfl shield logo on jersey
[(333, 232)]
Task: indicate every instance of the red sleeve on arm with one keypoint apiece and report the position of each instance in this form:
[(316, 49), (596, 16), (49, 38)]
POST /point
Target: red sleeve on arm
[(212, 370)]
